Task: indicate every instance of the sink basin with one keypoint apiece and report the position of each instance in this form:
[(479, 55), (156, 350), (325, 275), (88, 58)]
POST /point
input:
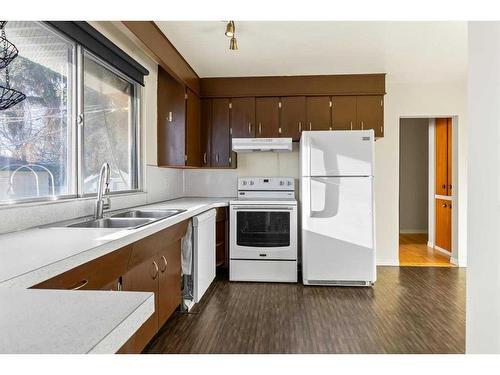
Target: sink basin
[(148, 214), (112, 223)]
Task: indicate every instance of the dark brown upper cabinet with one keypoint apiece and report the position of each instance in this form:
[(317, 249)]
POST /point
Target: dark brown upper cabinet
[(193, 147), (171, 120), (344, 113), (370, 113), (221, 138), (292, 116), (318, 113), (205, 132), (243, 117), (267, 117)]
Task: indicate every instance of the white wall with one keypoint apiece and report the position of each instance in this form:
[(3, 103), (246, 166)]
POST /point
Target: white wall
[(416, 100), (413, 175), (483, 274)]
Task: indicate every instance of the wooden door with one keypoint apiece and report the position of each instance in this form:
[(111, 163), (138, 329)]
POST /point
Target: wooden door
[(267, 117), (143, 278), (193, 155), (205, 132), (443, 224), (318, 113), (441, 142), (370, 113), (344, 113), (243, 117), (221, 139), (171, 120), (292, 116), (449, 156), (169, 282)]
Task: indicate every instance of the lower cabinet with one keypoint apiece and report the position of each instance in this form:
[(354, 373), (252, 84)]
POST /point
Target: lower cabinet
[(443, 224), (152, 264)]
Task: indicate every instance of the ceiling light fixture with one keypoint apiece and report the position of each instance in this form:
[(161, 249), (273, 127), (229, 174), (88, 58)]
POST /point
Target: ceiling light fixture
[(230, 29), (233, 44)]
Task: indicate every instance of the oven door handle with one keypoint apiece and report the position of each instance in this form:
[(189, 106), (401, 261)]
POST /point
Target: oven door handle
[(260, 208)]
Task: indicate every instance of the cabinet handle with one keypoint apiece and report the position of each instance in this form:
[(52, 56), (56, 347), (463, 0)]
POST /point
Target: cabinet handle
[(260, 128), (156, 270), (217, 157), (119, 286), (165, 263), (444, 205), (449, 186), (449, 206), (204, 158), (362, 125), (80, 285), (443, 186), (351, 125), (170, 117), (249, 128), (310, 125), (300, 126)]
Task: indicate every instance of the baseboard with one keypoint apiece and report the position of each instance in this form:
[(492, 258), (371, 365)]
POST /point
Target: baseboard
[(388, 262), (454, 261), (411, 231), (445, 252)]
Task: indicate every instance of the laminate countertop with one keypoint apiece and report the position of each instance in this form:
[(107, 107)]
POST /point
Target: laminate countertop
[(31, 256), (35, 321), (60, 321)]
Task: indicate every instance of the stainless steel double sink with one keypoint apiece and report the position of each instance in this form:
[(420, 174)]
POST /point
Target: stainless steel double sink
[(132, 219)]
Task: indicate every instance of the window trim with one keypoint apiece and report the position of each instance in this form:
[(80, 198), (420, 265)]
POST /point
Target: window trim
[(76, 124)]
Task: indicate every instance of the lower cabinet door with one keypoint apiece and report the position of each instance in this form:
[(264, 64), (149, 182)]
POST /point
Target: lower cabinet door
[(443, 224), (169, 281), (142, 278)]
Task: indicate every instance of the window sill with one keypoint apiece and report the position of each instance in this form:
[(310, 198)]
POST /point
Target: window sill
[(33, 203)]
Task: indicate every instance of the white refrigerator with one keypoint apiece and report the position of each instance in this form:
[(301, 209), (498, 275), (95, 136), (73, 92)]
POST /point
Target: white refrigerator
[(337, 208)]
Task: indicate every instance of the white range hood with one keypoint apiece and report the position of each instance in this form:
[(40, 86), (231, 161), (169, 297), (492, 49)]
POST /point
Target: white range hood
[(262, 144)]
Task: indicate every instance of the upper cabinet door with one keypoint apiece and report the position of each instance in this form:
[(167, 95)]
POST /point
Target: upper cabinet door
[(344, 113), (292, 116), (441, 141), (205, 131), (318, 113), (221, 139), (171, 120), (243, 117), (193, 157), (267, 117), (370, 113)]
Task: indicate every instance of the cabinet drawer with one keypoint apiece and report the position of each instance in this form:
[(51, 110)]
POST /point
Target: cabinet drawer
[(94, 275)]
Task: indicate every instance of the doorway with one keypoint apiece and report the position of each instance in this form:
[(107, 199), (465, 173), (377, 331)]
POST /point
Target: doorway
[(423, 163)]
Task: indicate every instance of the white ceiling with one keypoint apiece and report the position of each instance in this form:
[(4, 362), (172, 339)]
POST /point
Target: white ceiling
[(407, 51)]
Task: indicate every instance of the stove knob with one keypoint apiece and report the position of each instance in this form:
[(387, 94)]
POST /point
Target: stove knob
[(289, 183), (243, 182), (282, 183), (251, 182)]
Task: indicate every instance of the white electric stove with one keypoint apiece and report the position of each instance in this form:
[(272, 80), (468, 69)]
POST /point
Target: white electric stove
[(263, 230)]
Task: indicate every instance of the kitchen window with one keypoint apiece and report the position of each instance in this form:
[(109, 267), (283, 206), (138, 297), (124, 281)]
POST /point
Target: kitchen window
[(79, 111)]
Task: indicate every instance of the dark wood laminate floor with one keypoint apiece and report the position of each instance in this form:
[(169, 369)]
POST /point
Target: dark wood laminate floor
[(410, 310)]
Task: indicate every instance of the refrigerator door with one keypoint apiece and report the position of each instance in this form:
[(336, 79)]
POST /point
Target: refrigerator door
[(337, 153), (337, 230)]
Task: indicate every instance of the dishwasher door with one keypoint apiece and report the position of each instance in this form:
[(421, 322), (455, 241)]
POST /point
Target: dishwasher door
[(204, 253)]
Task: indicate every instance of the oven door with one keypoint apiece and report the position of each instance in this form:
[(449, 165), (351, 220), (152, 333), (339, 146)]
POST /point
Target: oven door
[(263, 232)]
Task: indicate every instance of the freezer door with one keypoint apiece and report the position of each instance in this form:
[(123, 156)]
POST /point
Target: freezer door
[(338, 229), (338, 153)]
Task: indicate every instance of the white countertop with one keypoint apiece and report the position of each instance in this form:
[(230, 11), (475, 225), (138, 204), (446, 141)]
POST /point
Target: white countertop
[(58, 321), (31, 256), (77, 322)]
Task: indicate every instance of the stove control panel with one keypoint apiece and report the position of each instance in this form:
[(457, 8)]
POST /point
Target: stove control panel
[(266, 183)]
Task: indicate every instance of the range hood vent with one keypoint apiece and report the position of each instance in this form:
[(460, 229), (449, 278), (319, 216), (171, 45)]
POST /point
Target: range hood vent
[(262, 144)]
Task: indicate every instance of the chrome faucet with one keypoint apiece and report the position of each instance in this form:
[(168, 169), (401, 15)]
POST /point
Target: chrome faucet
[(100, 206)]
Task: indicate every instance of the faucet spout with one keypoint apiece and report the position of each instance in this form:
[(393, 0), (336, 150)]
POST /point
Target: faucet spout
[(102, 189)]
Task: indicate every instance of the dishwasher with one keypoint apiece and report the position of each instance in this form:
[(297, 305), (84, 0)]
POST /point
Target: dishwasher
[(198, 258)]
